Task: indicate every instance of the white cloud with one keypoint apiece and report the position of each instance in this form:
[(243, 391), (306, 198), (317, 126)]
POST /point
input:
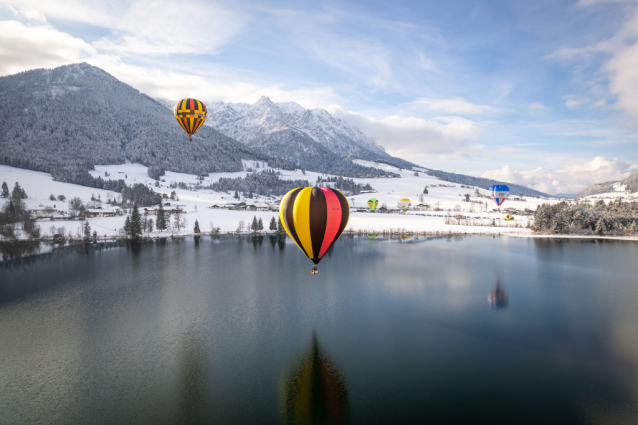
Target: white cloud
[(455, 106), (148, 28), (620, 68), (623, 83), (29, 14), (164, 27), (574, 102), (448, 137), (510, 149), (537, 109), (572, 179), (25, 47)]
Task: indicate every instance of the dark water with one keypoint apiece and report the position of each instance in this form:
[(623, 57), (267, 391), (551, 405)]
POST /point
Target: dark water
[(234, 331)]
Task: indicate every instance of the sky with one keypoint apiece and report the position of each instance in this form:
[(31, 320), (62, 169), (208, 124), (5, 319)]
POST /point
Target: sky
[(541, 93)]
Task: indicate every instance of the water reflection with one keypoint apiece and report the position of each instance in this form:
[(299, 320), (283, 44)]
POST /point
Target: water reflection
[(497, 296), (314, 390), (19, 249), (257, 240), (193, 397)]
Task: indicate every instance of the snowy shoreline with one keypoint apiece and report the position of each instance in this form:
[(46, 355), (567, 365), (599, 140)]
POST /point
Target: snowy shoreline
[(382, 234)]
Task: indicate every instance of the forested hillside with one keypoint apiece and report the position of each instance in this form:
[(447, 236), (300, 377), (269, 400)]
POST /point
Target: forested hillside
[(630, 184), (65, 120), (515, 189)]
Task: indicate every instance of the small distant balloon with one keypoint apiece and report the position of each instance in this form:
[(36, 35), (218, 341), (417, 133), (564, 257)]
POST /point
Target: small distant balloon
[(499, 193), (404, 204), (190, 114), (373, 203)]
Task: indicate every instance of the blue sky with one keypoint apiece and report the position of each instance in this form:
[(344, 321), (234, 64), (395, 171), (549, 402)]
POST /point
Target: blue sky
[(542, 94)]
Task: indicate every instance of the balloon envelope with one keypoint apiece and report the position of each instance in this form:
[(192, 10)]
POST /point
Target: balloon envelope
[(499, 193), (404, 204), (314, 218), (373, 203), (190, 114)]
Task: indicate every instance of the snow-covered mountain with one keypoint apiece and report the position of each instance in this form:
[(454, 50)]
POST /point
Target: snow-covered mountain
[(253, 124), (67, 120)]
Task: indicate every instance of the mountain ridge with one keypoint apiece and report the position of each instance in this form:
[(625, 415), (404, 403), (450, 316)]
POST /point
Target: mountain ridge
[(68, 119)]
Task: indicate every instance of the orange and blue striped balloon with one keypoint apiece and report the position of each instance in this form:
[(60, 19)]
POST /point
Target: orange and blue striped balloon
[(314, 217), (190, 114)]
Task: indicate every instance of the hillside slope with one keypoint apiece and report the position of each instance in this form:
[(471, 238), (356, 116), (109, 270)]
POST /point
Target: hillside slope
[(630, 185), (68, 119)]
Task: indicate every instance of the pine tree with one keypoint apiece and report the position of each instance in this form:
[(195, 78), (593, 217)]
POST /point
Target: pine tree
[(95, 236), (254, 226), (236, 195), (600, 227), (560, 224), (161, 218), (18, 192), (177, 220), (425, 191), (87, 231), (150, 225), (260, 225), (273, 224), (136, 223), (5, 190), (196, 229), (280, 228), (127, 225)]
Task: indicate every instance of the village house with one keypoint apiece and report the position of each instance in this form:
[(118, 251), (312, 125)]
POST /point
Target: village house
[(103, 212), (43, 212)]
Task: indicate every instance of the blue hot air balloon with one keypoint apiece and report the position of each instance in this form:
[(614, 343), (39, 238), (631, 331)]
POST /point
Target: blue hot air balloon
[(499, 193)]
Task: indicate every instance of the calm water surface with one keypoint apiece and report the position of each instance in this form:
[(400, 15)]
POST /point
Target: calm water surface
[(237, 331)]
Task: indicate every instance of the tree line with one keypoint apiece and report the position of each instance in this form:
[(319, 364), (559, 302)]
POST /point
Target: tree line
[(266, 182), (616, 218), (344, 184)]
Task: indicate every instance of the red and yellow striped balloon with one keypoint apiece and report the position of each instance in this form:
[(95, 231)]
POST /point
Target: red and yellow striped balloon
[(314, 217), (190, 114)]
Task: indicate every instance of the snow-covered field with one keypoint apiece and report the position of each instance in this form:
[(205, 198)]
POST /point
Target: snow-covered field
[(444, 195)]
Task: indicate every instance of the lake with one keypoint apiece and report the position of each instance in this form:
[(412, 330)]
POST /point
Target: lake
[(237, 331)]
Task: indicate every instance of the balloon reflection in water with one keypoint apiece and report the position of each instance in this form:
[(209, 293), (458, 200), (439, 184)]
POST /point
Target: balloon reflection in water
[(314, 391), (193, 395), (497, 297)]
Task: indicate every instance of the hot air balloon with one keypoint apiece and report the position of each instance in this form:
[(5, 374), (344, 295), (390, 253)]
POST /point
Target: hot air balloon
[(404, 204), (314, 390), (314, 218), (190, 114), (499, 193), (509, 218), (373, 203)]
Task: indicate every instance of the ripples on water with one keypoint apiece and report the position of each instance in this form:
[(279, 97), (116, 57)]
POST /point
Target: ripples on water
[(237, 330)]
